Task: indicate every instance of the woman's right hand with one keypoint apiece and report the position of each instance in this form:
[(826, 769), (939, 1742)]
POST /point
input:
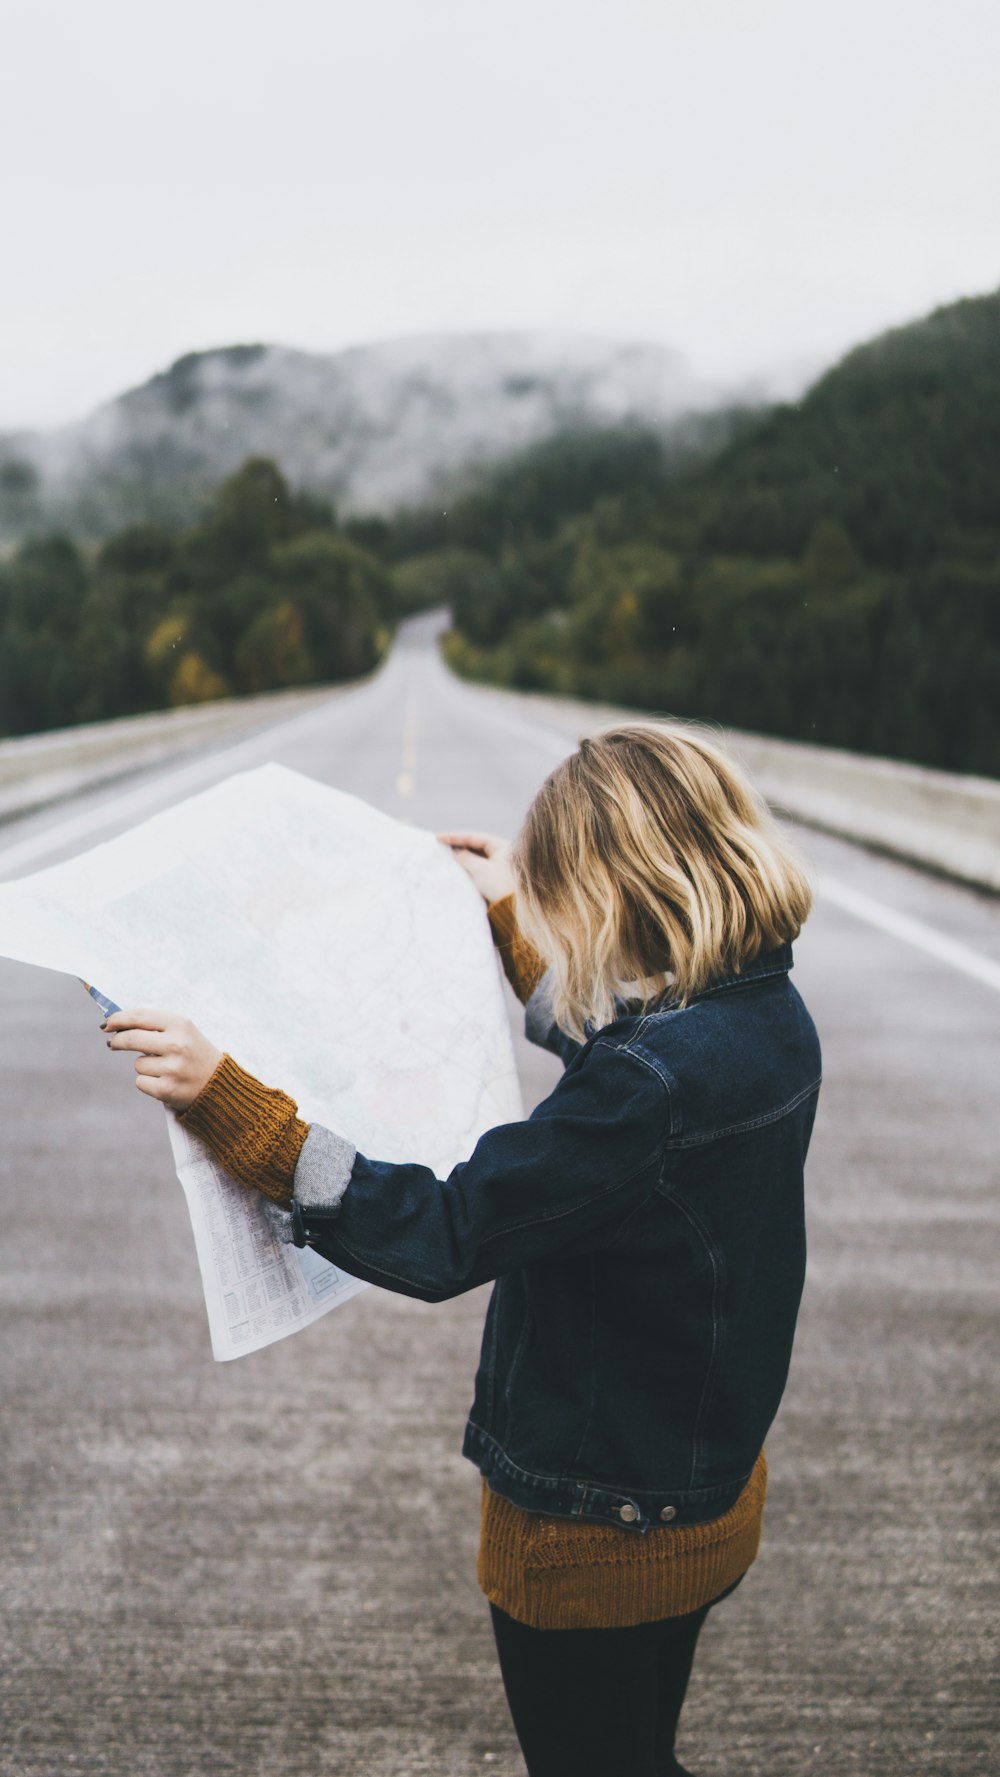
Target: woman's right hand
[(486, 858)]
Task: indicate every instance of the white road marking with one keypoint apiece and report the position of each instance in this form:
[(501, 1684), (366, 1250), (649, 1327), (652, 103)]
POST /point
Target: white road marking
[(408, 757), (864, 907), (910, 931), (136, 803)]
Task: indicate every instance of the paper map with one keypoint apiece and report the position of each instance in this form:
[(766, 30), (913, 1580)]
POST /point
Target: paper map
[(334, 952)]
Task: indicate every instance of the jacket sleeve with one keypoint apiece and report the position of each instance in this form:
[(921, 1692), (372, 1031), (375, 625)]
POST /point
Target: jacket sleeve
[(586, 1154)]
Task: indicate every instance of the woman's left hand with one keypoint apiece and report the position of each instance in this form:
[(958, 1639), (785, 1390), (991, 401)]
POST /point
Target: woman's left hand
[(174, 1061)]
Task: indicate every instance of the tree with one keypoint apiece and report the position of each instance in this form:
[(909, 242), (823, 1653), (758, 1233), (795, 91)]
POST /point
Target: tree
[(194, 681), (342, 594)]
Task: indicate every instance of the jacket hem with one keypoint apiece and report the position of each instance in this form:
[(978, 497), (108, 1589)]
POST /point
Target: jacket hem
[(571, 1496)]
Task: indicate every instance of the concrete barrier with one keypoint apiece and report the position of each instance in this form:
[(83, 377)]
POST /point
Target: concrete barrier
[(939, 819), (942, 820), (37, 769)]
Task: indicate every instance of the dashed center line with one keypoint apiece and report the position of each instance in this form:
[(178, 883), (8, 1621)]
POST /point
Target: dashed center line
[(408, 757), (171, 785)]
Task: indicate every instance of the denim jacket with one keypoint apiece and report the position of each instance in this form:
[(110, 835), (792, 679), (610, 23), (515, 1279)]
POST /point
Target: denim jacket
[(645, 1230)]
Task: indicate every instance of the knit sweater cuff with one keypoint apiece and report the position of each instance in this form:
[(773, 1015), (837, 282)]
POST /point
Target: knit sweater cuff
[(253, 1130), (522, 964)]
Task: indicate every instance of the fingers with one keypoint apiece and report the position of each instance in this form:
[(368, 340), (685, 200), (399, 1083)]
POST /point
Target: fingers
[(141, 1019), (151, 1088), (161, 1077), (148, 1042), (462, 842), (174, 1059), (472, 861), (153, 1033), (483, 844)]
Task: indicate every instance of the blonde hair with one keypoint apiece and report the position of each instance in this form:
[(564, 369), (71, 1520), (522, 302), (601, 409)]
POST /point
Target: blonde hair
[(647, 862)]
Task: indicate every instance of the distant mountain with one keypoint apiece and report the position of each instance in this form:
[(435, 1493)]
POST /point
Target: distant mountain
[(831, 574), (372, 428), (899, 444)]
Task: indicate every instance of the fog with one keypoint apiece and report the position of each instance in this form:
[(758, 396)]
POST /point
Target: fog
[(757, 187)]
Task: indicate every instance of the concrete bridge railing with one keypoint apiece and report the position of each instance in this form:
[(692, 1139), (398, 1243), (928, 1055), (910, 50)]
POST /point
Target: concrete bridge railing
[(37, 769), (942, 820), (938, 819)]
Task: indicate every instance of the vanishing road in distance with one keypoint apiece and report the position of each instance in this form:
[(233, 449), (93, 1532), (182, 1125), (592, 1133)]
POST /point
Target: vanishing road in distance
[(266, 1568)]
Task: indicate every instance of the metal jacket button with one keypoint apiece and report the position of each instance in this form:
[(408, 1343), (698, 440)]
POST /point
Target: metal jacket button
[(667, 1513), (628, 1513)]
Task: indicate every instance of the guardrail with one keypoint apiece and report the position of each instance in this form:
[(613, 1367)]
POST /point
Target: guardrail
[(942, 820), (37, 769)]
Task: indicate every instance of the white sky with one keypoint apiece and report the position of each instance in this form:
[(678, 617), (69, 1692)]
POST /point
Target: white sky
[(752, 181)]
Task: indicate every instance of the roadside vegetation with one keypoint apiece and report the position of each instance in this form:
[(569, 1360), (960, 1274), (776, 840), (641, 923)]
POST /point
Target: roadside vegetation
[(828, 571), (832, 575), (265, 592)]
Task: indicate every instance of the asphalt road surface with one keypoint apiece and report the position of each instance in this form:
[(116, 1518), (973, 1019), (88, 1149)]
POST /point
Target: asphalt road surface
[(267, 1567)]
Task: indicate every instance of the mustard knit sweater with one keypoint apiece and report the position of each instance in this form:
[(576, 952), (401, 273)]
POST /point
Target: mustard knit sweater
[(550, 1573)]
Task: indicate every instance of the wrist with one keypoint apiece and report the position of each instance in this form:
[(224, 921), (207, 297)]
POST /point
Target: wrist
[(253, 1130)]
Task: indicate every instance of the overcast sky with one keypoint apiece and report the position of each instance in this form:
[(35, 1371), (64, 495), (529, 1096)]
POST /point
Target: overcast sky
[(755, 182)]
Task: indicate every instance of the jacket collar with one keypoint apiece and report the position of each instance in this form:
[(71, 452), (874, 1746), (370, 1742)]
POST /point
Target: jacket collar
[(769, 962)]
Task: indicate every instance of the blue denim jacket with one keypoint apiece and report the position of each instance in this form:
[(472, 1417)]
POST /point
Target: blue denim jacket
[(645, 1228)]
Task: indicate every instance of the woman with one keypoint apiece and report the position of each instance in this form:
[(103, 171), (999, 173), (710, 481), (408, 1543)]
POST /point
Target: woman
[(644, 1225)]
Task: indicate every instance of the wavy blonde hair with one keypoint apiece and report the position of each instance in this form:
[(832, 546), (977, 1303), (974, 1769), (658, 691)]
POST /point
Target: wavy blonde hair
[(648, 862)]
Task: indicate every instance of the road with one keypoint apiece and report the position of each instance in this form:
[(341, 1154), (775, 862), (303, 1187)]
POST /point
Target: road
[(267, 1567)]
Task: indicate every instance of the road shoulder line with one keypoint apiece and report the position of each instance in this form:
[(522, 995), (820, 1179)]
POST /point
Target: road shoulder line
[(910, 931)]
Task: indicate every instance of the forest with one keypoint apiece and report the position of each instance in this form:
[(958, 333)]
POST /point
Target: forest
[(827, 571), (264, 592), (831, 575)]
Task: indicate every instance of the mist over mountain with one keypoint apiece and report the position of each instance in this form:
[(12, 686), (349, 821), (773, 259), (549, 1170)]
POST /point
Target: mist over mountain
[(827, 570), (373, 428), (831, 574)]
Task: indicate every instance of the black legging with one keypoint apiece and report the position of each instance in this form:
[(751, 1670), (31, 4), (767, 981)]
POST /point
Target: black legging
[(598, 1702)]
